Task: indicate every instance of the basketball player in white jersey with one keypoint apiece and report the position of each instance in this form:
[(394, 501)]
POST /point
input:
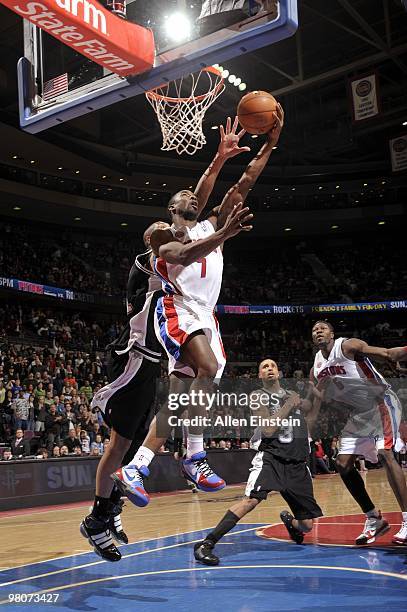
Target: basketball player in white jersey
[(189, 261), (347, 378)]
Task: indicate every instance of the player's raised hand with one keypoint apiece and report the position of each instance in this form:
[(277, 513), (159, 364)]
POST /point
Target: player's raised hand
[(229, 140), (237, 221), (274, 134)]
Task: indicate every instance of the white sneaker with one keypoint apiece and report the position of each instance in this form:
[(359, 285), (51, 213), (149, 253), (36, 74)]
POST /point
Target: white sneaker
[(374, 528), (401, 536)]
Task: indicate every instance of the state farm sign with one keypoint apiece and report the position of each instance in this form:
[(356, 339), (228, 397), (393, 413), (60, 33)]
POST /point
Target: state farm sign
[(122, 47)]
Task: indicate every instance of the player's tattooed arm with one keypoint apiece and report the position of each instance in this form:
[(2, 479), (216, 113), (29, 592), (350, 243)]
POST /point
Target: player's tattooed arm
[(171, 250), (239, 191), (354, 347), (228, 148)]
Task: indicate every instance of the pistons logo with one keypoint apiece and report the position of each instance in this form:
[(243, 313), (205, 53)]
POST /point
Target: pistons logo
[(335, 370), (363, 88)]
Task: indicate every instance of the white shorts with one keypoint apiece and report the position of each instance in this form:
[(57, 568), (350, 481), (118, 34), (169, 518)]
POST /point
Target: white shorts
[(175, 320), (386, 437)]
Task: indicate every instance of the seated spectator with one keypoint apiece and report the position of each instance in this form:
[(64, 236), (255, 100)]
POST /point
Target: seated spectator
[(97, 444), (63, 451), (71, 441), (95, 452), (77, 451), (7, 455), (85, 442), (321, 457), (56, 452), (19, 446), (42, 453)]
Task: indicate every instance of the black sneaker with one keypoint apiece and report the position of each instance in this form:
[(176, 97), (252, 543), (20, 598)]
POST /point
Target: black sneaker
[(97, 532), (295, 534), (115, 523), (203, 553)]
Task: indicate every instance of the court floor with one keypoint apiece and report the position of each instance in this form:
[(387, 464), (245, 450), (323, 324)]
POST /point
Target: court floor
[(45, 558)]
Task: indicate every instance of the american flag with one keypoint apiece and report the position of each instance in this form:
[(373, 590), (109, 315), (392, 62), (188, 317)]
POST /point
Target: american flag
[(55, 87)]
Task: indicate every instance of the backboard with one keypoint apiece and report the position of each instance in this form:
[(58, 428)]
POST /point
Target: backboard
[(57, 83)]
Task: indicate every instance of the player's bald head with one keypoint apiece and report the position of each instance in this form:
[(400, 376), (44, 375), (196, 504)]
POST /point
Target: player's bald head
[(268, 368), (151, 228)]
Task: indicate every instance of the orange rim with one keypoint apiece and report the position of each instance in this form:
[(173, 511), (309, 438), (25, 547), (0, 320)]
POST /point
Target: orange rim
[(153, 93)]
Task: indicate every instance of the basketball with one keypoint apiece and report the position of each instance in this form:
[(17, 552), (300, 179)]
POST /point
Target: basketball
[(255, 112)]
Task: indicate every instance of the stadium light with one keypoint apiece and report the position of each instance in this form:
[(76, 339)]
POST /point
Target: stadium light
[(178, 27)]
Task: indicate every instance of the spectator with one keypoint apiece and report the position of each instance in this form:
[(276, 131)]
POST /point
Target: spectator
[(39, 415), (56, 452), (19, 446), (97, 444), (321, 457), (7, 455), (85, 442), (87, 390), (53, 422), (21, 407), (71, 441), (63, 451)]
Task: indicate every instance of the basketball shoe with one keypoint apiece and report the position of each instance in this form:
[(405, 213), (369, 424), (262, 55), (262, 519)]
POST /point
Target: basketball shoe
[(203, 553), (295, 534), (197, 470), (401, 536), (130, 481), (374, 528), (97, 532)]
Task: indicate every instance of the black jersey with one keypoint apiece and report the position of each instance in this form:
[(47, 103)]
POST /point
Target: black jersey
[(143, 292), (288, 443)]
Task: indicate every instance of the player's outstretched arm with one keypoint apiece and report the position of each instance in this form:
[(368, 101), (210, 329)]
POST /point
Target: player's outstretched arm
[(353, 347), (239, 191), (171, 250), (228, 148)]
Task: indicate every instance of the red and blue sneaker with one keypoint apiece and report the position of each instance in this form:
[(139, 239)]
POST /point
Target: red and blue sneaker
[(130, 481), (197, 470)]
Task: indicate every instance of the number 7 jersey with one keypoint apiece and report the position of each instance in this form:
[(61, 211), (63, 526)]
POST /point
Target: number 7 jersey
[(201, 281)]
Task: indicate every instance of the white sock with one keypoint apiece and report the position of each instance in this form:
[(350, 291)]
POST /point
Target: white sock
[(404, 515), (372, 513), (144, 456), (194, 444)]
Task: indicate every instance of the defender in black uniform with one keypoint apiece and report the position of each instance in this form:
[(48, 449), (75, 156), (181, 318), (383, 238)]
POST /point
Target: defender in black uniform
[(133, 367), (279, 465)]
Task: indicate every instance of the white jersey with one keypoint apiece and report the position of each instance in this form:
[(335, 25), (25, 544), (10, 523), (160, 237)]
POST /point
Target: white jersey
[(356, 383), (200, 282)]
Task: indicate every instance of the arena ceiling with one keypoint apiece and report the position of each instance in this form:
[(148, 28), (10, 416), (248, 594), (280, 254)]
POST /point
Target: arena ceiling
[(309, 73)]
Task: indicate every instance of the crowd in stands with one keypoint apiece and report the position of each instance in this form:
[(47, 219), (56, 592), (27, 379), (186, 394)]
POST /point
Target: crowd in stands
[(46, 385), (100, 264)]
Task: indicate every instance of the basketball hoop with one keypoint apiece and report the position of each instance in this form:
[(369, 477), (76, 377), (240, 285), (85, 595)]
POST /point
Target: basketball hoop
[(180, 117)]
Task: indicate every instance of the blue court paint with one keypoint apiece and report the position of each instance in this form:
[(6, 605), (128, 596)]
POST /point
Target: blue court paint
[(254, 575)]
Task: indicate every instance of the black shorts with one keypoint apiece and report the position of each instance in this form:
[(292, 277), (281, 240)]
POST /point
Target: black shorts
[(131, 394), (291, 479)]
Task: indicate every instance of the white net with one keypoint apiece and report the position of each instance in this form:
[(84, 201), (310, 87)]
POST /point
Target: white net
[(180, 117)]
